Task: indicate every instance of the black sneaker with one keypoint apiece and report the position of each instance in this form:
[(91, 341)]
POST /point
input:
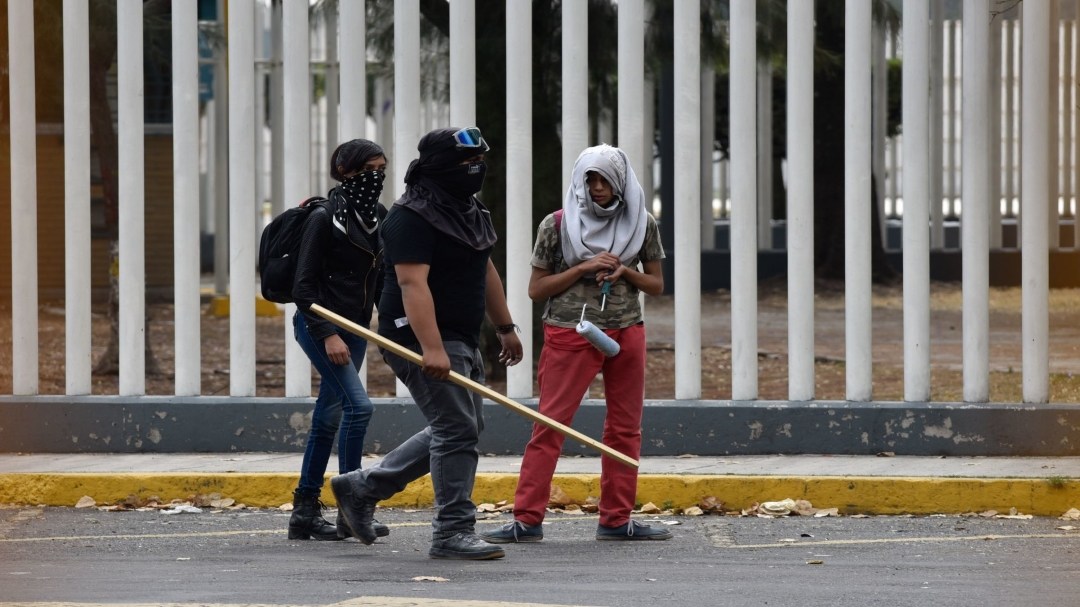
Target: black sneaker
[(343, 532), (466, 546), (356, 512), (513, 533), (632, 530)]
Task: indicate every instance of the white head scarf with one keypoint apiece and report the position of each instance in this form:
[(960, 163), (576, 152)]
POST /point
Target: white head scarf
[(589, 229)]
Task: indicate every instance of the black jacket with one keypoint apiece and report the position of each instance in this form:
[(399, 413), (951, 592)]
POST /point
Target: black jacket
[(340, 271)]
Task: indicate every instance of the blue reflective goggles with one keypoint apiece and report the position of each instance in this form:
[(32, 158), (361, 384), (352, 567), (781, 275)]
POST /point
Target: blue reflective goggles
[(470, 137)]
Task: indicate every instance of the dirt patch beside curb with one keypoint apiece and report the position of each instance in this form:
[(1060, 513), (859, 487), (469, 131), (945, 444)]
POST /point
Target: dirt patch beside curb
[(1006, 357)]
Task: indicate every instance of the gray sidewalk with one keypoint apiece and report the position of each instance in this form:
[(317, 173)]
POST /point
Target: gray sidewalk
[(793, 466)]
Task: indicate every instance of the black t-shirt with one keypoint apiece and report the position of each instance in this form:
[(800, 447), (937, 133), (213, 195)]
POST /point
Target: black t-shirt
[(457, 278)]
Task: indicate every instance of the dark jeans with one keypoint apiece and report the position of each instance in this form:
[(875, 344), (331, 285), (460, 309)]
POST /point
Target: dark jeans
[(342, 408), (447, 447)]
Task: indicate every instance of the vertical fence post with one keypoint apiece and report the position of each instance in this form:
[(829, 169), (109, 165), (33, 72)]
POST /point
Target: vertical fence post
[(519, 174), (23, 129), (631, 99), (352, 108), (463, 63), (1053, 87), (937, 86), (916, 238), (129, 112), (241, 226), (976, 200), (1010, 119), (185, 39), (296, 67), (744, 217), (857, 199), (77, 269), (575, 84), (406, 98), (1034, 199), (994, 122), (800, 199)]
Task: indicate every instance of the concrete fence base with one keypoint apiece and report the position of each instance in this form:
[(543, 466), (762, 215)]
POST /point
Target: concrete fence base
[(158, 424)]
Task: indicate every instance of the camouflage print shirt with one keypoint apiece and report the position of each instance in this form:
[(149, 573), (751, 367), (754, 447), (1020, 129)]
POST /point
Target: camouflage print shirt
[(564, 310)]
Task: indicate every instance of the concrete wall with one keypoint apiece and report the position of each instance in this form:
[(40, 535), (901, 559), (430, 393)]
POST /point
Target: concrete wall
[(59, 424)]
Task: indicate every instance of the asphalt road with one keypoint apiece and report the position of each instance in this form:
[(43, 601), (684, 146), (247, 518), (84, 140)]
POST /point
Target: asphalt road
[(229, 557)]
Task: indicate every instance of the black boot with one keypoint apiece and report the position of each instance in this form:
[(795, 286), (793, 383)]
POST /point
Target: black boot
[(343, 531), (307, 522)]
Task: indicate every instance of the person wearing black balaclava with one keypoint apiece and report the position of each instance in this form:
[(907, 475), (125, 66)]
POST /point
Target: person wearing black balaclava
[(439, 283), (339, 268)]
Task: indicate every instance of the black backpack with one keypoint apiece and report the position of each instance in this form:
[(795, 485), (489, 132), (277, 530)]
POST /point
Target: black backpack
[(278, 249)]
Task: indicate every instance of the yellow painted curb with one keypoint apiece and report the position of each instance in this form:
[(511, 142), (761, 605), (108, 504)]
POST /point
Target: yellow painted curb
[(871, 495), (851, 495), (219, 306)]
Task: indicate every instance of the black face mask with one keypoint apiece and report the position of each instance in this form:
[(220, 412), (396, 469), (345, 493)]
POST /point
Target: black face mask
[(362, 192), (463, 180)]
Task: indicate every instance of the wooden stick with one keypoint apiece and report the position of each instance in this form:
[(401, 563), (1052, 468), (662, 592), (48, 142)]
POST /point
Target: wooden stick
[(469, 384)]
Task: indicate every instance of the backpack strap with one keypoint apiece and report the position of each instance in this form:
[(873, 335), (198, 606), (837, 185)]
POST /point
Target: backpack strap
[(337, 211), (558, 237)]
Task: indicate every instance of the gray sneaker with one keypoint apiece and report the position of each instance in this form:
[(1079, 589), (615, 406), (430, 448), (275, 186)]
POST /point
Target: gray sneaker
[(357, 512), (631, 531), (513, 533), (466, 546)]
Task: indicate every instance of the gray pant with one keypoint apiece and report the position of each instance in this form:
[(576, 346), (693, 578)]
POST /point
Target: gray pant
[(446, 447)]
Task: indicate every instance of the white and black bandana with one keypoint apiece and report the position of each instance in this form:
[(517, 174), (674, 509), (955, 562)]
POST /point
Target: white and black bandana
[(361, 193)]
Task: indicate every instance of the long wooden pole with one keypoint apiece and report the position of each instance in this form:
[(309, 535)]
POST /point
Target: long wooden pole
[(480, 389)]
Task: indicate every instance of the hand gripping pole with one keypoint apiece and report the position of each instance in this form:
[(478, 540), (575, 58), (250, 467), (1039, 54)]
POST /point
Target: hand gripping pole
[(473, 386)]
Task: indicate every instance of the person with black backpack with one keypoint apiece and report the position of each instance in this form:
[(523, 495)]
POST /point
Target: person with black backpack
[(338, 265)]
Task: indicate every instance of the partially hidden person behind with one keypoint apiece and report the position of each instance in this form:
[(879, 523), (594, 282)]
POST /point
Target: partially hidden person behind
[(440, 283), (591, 260), (338, 267)]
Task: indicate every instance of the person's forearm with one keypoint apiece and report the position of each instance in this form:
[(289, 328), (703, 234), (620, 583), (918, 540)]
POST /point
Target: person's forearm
[(551, 285), (646, 283), (420, 310)]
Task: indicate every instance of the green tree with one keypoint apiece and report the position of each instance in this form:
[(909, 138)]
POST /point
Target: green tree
[(829, 148)]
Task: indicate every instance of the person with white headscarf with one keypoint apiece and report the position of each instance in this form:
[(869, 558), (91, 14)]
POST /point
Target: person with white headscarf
[(591, 260)]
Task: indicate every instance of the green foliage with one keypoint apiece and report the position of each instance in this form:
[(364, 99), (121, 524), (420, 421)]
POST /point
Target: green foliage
[(893, 107)]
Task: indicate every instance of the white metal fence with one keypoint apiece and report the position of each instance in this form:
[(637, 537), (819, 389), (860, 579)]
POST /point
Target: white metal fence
[(946, 119), (1019, 113)]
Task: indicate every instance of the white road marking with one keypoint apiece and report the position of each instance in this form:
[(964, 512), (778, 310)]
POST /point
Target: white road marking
[(909, 540), (370, 601)]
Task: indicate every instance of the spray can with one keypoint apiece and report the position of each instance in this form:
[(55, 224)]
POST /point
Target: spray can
[(592, 334)]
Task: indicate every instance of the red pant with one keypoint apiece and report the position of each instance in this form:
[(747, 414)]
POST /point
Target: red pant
[(568, 364)]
